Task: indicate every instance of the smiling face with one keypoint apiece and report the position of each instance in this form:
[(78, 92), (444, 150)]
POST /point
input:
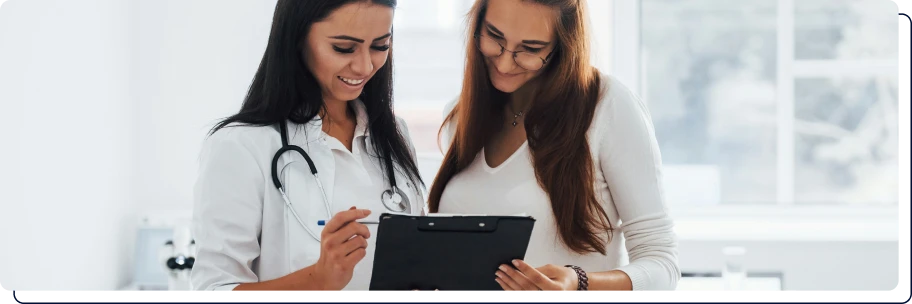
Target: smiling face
[(518, 26), (347, 48)]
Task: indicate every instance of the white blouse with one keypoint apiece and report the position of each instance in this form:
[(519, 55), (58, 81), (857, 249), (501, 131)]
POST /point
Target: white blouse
[(627, 183)]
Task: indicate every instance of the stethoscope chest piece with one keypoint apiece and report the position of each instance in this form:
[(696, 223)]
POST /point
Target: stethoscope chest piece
[(394, 200)]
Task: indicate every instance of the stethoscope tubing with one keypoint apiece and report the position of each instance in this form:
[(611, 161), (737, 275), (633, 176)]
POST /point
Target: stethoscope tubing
[(394, 193)]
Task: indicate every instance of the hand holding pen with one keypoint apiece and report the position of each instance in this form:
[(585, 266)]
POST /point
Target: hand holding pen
[(343, 243)]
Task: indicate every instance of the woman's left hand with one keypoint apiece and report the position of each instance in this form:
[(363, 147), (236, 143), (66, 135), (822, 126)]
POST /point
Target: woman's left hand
[(525, 277)]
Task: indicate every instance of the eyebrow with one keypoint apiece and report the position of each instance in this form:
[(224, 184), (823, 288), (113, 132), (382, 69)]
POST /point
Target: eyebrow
[(494, 29), (358, 40)]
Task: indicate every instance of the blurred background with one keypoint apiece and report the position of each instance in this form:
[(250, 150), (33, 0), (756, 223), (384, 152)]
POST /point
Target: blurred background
[(776, 120)]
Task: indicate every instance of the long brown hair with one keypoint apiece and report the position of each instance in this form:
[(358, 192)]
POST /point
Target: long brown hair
[(556, 126)]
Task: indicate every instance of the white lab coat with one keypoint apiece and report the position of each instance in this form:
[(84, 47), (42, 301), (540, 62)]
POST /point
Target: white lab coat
[(242, 228)]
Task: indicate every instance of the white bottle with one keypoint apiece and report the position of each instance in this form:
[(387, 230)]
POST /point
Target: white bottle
[(734, 274)]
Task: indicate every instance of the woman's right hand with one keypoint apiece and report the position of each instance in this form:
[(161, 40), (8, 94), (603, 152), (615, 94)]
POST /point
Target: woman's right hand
[(343, 244)]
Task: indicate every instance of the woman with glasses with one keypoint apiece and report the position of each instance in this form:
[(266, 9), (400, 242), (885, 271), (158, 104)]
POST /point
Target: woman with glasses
[(538, 130)]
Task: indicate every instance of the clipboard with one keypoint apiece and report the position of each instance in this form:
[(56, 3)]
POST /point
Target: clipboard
[(446, 252)]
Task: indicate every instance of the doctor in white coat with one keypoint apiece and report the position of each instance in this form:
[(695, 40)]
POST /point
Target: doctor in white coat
[(285, 184)]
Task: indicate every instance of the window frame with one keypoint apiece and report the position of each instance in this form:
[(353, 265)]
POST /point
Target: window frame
[(626, 65)]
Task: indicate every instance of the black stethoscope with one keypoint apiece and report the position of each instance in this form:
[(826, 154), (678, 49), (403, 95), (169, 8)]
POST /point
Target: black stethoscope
[(393, 199)]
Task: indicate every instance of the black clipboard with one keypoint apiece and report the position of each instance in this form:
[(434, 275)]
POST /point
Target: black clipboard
[(446, 252)]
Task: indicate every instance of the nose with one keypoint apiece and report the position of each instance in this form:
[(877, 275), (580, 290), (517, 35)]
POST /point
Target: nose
[(504, 63), (362, 64)]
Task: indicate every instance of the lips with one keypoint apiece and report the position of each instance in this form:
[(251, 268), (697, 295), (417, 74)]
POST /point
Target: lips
[(351, 81)]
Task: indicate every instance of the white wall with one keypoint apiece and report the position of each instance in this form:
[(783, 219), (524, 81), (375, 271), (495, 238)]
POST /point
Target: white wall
[(122, 93), (63, 90), (193, 61)]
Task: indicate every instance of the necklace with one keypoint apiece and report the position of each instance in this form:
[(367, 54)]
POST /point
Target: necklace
[(516, 116)]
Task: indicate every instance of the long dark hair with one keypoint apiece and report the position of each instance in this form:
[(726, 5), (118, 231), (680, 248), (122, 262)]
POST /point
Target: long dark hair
[(283, 88), (556, 127)]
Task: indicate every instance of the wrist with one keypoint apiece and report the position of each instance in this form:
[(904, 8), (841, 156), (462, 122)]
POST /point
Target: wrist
[(574, 279), (311, 278)]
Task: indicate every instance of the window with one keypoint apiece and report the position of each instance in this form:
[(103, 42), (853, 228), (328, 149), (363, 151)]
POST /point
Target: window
[(773, 102), (711, 92)]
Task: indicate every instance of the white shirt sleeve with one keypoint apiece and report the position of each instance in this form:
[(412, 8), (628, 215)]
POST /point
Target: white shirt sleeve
[(227, 214), (631, 164)]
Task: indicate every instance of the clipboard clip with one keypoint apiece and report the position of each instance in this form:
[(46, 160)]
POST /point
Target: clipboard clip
[(458, 224)]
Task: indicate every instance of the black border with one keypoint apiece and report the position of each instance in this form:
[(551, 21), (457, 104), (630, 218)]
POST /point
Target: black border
[(417, 297)]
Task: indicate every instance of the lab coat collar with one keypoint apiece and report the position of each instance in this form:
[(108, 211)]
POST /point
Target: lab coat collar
[(314, 128)]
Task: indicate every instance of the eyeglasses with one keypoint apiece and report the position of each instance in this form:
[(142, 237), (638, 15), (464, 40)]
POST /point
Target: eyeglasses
[(524, 59)]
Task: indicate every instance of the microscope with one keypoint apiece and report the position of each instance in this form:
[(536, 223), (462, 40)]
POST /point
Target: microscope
[(177, 256)]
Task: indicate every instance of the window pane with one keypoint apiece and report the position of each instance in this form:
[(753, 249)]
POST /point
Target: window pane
[(846, 141), (822, 28), (846, 129), (710, 83)]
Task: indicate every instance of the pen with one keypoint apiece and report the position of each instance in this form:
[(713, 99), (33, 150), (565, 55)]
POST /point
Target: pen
[(323, 222)]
